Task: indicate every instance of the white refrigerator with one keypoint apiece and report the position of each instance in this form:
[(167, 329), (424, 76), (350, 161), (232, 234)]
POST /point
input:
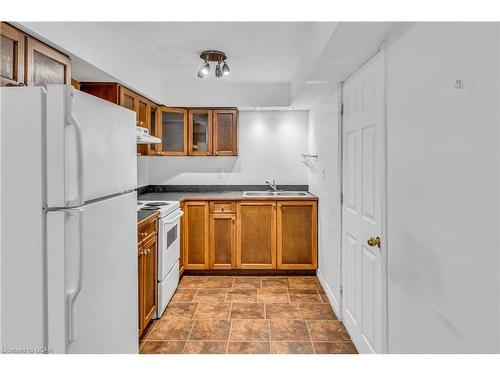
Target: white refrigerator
[(68, 223)]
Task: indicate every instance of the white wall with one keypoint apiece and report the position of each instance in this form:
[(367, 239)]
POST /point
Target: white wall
[(324, 181), (443, 188), (270, 143)]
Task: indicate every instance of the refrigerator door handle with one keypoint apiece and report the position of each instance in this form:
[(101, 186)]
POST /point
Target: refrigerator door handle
[(72, 121), (73, 294)]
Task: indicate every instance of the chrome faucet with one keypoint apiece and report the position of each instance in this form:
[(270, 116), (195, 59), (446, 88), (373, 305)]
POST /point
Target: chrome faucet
[(272, 185)]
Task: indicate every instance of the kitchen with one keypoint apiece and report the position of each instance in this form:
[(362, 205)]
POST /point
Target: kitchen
[(248, 198)]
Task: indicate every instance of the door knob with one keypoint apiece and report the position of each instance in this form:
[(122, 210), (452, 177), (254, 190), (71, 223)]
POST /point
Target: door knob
[(374, 242)]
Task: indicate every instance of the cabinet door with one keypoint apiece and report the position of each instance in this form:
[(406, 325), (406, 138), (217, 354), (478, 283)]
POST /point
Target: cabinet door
[(140, 274), (225, 139), (11, 55), (129, 100), (200, 132), (256, 235), (45, 65), (297, 235), (196, 228), (222, 241), (150, 280), (143, 120), (172, 130), (153, 128)]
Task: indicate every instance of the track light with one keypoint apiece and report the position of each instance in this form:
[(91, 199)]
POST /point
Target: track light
[(221, 67)]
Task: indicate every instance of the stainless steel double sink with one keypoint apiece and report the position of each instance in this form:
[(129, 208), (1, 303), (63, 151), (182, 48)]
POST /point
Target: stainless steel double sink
[(263, 194)]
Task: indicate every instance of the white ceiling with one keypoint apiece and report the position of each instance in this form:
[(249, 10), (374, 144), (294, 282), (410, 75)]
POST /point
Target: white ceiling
[(270, 61)]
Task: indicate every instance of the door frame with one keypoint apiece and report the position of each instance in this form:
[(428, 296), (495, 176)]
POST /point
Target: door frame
[(381, 51)]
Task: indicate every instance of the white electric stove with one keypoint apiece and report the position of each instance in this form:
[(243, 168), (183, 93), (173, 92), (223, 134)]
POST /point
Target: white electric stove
[(168, 248)]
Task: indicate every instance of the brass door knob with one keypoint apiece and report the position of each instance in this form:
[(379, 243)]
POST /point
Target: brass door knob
[(374, 242)]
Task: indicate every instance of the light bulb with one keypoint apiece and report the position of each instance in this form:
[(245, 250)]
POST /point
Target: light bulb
[(225, 69), (205, 69)]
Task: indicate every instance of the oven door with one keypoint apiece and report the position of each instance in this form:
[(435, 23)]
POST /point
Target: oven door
[(169, 243)]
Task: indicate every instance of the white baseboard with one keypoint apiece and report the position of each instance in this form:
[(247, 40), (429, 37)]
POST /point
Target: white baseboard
[(331, 298)]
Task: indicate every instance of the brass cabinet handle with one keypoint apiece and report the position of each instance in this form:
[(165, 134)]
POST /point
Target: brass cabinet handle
[(374, 242), (233, 220)]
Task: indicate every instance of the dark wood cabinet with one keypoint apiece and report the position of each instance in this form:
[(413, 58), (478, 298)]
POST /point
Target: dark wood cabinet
[(45, 65), (297, 235), (196, 235), (225, 132), (11, 55), (256, 235), (147, 271)]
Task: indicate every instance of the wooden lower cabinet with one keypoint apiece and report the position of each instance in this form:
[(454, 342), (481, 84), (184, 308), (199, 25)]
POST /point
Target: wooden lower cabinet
[(196, 235), (256, 235), (222, 241), (297, 235), (259, 235), (147, 283)]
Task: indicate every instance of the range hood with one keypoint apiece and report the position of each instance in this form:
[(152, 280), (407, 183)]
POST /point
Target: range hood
[(144, 138)]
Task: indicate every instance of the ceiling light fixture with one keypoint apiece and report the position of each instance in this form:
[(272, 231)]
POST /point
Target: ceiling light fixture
[(221, 68)]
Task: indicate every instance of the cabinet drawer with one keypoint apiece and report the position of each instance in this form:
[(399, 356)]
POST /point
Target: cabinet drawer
[(146, 232), (222, 207)]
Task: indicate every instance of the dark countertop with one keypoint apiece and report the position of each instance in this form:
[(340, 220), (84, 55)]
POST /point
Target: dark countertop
[(179, 196), (213, 195), (143, 215)]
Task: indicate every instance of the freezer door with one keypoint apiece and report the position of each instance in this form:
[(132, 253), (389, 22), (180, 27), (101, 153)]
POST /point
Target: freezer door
[(91, 148), (92, 296)]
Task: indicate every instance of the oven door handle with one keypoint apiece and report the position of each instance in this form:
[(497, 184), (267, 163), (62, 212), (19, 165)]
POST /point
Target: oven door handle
[(181, 213)]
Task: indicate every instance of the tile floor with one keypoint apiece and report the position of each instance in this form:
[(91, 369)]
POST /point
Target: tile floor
[(247, 315)]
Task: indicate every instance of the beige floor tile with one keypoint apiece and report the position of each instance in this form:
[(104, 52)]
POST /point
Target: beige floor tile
[(205, 347), (171, 329), (284, 347), (218, 282), (210, 295), (247, 282), (272, 295), (248, 348), (211, 330), (247, 311), (242, 295), (289, 330), (163, 347), (327, 330), (180, 310), (304, 295), (282, 311), (316, 311), (212, 311), (338, 347), (250, 330), (275, 281)]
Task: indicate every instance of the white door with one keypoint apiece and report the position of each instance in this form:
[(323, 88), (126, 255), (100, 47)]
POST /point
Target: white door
[(92, 295), (91, 148), (363, 153)]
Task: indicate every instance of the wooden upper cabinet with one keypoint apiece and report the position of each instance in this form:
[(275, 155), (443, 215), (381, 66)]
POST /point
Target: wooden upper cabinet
[(200, 132), (256, 235), (11, 55), (222, 241), (225, 132), (129, 100), (196, 235), (45, 65), (297, 235), (172, 130), (109, 91)]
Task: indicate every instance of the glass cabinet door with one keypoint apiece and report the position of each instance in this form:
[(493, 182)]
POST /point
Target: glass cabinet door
[(45, 65), (172, 129), (200, 132), (11, 55)]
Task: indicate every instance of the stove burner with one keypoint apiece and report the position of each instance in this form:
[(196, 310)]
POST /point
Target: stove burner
[(150, 208), (157, 204), (139, 203)]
